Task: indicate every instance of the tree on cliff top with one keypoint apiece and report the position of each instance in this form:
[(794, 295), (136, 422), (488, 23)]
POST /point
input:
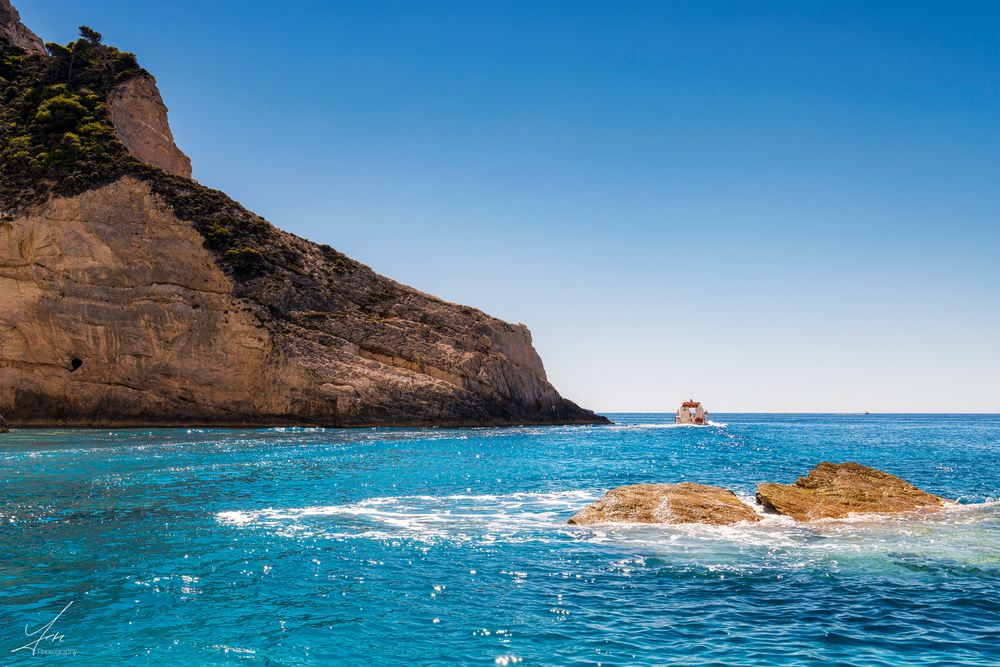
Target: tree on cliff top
[(57, 138), (90, 62), (55, 130)]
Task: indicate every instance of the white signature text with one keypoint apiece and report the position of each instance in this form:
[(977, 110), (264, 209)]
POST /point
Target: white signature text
[(44, 633)]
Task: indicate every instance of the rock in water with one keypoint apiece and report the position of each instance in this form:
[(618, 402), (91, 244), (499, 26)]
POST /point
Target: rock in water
[(132, 295), (836, 490), (3, 425), (685, 502)]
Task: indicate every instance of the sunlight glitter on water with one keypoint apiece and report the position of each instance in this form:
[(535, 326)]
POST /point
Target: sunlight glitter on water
[(962, 533), (177, 545)]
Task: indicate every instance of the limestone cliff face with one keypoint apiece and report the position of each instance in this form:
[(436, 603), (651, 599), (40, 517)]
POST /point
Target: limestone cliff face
[(16, 32), (138, 296), (113, 312), (140, 119), (111, 280)]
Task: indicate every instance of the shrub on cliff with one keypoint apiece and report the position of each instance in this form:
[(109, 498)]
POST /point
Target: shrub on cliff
[(245, 262), (57, 137), (56, 133)]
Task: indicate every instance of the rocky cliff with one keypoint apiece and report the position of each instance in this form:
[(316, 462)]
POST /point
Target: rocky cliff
[(15, 32), (140, 120), (129, 294)]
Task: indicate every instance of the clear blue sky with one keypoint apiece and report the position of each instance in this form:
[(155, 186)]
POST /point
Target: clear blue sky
[(785, 206)]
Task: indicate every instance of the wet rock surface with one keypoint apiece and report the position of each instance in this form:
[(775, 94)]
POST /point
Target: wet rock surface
[(837, 490), (685, 502)]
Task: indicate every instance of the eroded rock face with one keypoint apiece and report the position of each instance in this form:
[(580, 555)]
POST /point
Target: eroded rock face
[(113, 312), (140, 119), (685, 502), (16, 32), (837, 490), (148, 299), (111, 280)]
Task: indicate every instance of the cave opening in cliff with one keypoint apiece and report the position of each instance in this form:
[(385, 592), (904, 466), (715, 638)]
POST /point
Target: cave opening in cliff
[(75, 364)]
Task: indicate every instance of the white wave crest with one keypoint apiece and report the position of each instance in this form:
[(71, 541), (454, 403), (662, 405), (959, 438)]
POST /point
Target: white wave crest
[(959, 533), (422, 517)]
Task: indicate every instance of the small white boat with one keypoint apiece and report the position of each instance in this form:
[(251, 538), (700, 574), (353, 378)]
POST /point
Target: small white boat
[(691, 412)]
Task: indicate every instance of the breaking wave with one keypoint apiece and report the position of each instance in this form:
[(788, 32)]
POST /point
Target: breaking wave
[(960, 534)]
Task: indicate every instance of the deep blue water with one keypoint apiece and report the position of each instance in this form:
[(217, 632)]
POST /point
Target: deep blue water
[(406, 546)]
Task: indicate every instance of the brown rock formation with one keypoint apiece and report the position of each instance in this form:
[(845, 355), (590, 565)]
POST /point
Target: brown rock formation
[(114, 281), (837, 490), (140, 119), (144, 298), (667, 503), (16, 32), (137, 109), (112, 311)]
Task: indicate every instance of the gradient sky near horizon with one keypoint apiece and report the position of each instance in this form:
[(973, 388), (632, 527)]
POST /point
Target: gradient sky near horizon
[(768, 206)]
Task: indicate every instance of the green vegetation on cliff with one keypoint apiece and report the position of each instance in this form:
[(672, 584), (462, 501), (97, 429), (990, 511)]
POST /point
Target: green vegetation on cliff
[(304, 335), (56, 134), (57, 138)]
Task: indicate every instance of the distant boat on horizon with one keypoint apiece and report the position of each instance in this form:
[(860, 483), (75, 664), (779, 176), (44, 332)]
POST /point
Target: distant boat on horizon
[(691, 412)]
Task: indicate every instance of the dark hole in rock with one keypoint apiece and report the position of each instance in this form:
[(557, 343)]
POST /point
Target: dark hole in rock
[(75, 364)]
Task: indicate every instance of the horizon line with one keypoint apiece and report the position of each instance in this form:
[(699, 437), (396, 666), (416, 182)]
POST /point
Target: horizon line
[(753, 412)]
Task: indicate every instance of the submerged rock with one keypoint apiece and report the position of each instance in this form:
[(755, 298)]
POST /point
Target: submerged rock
[(836, 490), (686, 502)]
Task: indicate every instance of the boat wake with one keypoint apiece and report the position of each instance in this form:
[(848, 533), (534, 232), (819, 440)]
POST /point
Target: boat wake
[(708, 424)]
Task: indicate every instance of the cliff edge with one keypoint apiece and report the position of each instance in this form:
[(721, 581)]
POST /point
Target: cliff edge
[(132, 295), (140, 119), (16, 33)]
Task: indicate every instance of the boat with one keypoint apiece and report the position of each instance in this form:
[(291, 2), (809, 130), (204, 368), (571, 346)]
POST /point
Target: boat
[(691, 412)]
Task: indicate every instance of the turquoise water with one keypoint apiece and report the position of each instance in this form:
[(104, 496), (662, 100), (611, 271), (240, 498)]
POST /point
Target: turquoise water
[(407, 546)]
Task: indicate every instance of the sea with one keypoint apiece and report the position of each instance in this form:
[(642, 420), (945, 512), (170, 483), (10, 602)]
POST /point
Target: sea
[(393, 546)]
